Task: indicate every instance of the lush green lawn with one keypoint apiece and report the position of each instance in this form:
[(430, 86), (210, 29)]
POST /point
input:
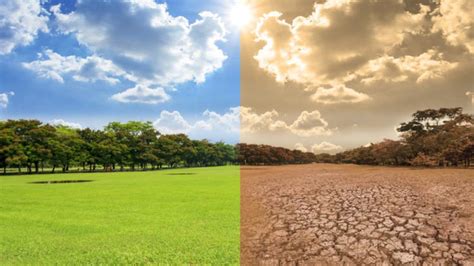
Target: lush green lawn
[(122, 218)]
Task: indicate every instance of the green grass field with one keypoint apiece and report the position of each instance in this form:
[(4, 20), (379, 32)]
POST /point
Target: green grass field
[(122, 218)]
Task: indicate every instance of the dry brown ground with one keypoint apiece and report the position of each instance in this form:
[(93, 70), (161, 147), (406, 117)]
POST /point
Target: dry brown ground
[(346, 214)]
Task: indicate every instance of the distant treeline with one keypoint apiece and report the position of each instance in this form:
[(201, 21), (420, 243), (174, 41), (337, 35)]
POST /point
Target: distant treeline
[(443, 137), (132, 146), (252, 154)]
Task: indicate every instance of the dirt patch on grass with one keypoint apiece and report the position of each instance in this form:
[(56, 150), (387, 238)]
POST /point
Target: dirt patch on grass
[(60, 182), (336, 214)]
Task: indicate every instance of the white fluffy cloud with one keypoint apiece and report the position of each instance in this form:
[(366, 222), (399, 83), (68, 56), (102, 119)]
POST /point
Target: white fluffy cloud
[(307, 124), (61, 122), (142, 94), (172, 123), (90, 69), (20, 22), (298, 51), (210, 124), (471, 96), (426, 66), (300, 147), (138, 41), (338, 94), (253, 122), (456, 22), (325, 147), (228, 121), (310, 124), (145, 41), (354, 42), (5, 99)]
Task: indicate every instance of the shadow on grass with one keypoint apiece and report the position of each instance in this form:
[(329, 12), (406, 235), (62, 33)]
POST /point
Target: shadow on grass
[(60, 182)]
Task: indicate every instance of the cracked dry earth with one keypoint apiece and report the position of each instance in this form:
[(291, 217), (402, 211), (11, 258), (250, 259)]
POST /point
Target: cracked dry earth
[(323, 214)]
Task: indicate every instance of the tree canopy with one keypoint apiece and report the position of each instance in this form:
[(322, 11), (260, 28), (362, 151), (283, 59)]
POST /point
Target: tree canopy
[(252, 154), (133, 145), (442, 137)]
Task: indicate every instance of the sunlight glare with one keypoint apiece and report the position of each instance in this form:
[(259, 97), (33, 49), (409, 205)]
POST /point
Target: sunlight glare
[(241, 14)]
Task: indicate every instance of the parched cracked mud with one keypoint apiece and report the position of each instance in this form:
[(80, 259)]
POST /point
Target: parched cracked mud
[(324, 214)]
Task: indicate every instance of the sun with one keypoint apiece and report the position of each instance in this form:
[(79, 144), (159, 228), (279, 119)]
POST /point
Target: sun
[(241, 14)]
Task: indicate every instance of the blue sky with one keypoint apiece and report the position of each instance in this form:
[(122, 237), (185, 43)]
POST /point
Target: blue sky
[(58, 86)]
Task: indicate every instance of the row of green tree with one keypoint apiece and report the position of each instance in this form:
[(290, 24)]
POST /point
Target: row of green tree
[(133, 145), (442, 137)]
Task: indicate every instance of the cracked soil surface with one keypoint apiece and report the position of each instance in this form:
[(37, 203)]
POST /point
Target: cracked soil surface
[(324, 214)]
